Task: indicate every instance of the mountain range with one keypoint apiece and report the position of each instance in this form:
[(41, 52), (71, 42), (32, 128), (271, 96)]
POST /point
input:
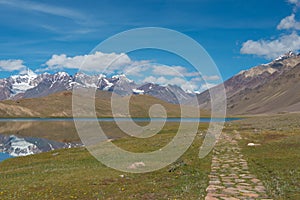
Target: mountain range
[(264, 89), (31, 85)]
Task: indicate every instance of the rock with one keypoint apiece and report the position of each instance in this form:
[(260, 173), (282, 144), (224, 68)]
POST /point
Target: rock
[(252, 144), (136, 165)]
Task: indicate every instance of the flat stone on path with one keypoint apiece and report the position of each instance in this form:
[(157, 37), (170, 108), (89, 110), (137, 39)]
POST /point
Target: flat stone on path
[(230, 178)]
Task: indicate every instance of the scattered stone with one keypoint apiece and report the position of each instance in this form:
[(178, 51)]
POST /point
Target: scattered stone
[(252, 144), (136, 165)]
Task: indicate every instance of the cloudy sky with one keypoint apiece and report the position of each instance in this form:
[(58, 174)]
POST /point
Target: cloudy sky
[(58, 35)]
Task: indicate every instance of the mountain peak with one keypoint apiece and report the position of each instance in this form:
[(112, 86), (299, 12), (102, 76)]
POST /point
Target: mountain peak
[(273, 66), (28, 73), (22, 82), (122, 77), (30, 85), (289, 54)]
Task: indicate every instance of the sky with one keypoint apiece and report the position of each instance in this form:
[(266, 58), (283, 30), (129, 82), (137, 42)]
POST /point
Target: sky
[(58, 35)]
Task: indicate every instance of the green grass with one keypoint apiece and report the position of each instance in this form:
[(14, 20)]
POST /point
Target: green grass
[(75, 174), (276, 161)]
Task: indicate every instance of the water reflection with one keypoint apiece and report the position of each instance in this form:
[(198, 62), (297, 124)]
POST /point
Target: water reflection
[(62, 131)]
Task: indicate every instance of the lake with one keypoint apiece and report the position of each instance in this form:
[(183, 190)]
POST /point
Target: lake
[(4, 156), (118, 119), (64, 130)]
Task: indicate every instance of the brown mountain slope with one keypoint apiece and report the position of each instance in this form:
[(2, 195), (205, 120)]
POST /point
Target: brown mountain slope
[(280, 94), (60, 105), (267, 88)]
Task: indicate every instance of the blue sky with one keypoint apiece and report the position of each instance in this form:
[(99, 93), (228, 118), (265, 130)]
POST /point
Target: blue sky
[(238, 34)]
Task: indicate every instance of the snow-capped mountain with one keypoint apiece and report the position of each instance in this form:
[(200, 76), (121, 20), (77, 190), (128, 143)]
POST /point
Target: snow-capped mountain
[(17, 146), (169, 93), (289, 54), (270, 87), (49, 84), (31, 85), (23, 82), (289, 59)]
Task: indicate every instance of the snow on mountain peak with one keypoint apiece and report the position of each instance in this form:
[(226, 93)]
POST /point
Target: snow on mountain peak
[(29, 74), (289, 54), (62, 74), (29, 85), (137, 91), (23, 82), (122, 77), (270, 67)]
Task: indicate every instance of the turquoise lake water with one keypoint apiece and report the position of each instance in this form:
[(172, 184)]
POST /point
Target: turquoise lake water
[(4, 156), (119, 119)]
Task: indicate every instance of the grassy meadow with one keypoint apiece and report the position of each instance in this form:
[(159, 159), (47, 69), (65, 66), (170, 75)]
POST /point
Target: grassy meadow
[(276, 158), (75, 174)]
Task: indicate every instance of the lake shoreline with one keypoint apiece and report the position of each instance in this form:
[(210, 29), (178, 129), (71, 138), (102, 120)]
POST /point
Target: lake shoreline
[(111, 119)]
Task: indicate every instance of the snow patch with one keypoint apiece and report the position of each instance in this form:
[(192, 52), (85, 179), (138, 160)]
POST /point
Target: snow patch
[(285, 56), (137, 91), (122, 77), (23, 82), (109, 85)]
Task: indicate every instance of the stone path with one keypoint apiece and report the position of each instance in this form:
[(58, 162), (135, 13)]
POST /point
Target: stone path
[(230, 177)]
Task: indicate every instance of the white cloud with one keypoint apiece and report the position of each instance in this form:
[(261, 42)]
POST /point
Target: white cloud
[(158, 80), (293, 1), (207, 86), (272, 48), (194, 84), (137, 68), (296, 3), (116, 63), (83, 22), (172, 71), (163, 81), (211, 78), (121, 63), (12, 65), (150, 79), (289, 22), (44, 8), (97, 62)]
